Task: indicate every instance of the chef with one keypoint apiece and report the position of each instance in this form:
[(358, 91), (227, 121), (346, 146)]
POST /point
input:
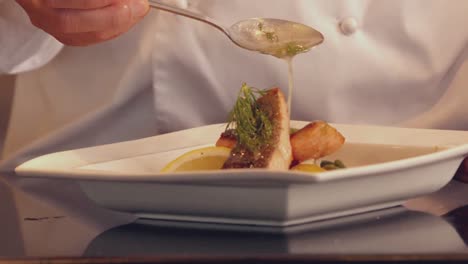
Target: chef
[(141, 73), (91, 72)]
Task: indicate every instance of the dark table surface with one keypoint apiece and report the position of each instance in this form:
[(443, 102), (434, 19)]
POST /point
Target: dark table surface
[(41, 223)]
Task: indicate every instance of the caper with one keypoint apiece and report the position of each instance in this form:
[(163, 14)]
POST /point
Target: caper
[(340, 164), (324, 163), (330, 167)]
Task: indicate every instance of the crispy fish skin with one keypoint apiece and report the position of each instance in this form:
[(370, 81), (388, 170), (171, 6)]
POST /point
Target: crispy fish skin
[(227, 139), (277, 154), (316, 140)]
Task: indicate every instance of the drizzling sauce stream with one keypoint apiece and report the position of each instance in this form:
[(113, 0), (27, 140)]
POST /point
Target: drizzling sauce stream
[(290, 84), (281, 39)]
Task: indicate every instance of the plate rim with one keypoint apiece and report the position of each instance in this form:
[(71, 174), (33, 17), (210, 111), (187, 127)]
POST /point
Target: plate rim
[(25, 170)]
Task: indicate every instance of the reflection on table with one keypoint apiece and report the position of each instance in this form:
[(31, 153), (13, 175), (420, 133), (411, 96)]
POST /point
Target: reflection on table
[(392, 231)]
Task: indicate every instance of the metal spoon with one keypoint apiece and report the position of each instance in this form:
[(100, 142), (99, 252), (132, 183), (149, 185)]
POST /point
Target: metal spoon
[(280, 38)]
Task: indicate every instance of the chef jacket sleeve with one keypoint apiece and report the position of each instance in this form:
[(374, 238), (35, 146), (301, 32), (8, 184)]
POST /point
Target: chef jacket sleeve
[(23, 47)]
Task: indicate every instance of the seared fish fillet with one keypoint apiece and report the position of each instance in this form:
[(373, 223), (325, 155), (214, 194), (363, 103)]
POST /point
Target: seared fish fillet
[(277, 154)]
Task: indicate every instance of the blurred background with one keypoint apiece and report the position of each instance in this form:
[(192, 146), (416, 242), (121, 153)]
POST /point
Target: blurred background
[(6, 98)]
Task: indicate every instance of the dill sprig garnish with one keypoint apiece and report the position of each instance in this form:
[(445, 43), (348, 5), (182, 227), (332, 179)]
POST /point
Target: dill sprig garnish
[(250, 124)]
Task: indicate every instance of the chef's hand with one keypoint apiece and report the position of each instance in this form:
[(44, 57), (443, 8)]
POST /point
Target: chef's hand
[(84, 22), (462, 173)]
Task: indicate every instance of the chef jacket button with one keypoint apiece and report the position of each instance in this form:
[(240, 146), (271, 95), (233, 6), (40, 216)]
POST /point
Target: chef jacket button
[(348, 26)]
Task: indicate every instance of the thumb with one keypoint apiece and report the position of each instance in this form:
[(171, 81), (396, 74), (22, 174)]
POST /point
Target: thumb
[(138, 8)]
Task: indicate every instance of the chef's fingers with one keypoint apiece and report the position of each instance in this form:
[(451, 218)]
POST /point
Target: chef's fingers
[(79, 4), (79, 21), (90, 38), (86, 26)]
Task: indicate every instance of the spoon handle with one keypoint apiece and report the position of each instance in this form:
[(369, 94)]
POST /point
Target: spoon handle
[(187, 13)]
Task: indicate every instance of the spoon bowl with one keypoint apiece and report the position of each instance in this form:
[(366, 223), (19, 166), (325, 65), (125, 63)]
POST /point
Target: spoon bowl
[(280, 38), (276, 37)]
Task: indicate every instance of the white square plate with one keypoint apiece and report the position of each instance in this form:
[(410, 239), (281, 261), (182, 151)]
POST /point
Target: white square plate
[(387, 166)]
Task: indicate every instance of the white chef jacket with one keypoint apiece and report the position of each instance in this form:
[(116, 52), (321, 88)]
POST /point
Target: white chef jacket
[(383, 62)]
